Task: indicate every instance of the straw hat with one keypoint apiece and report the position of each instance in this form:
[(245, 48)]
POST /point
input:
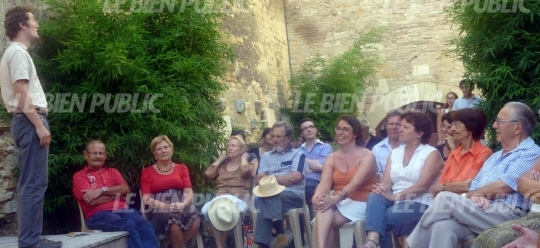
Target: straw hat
[(223, 214), (268, 186)]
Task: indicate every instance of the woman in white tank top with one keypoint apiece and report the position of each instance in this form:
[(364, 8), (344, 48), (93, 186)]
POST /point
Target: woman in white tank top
[(410, 172)]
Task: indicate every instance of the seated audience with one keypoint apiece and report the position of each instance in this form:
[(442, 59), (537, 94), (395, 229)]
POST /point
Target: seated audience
[(100, 190), (382, 150), (233, 171), (369, 140), (351, 170), (411, 170), (266, 144), (166, 189), (492, 198), (462, 165)]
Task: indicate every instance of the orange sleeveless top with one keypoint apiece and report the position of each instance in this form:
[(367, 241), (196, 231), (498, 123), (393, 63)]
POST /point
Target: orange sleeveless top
[(341, 180)]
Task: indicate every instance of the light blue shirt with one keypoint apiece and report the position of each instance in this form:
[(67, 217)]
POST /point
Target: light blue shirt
[(278, 164), (463, 103), (509, 168), (319, 152), (381, 151)]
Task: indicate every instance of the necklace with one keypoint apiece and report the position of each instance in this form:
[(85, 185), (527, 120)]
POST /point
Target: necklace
[(347, 155), (164, 170)]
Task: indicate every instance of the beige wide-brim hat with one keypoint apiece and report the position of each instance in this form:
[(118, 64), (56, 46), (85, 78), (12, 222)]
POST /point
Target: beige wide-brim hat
[(268, 186), (223, 214)]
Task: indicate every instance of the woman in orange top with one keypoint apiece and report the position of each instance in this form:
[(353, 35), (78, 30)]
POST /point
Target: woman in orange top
[(466, 160), (462, 165), (352, 170)]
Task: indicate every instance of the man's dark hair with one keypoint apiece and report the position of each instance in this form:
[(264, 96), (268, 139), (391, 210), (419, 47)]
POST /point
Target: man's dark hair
[(467, 83), (302, 122), (14, 17)]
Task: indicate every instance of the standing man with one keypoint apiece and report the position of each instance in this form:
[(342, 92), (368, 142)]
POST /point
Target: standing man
[(25, 99), (468, 100), (287, 166), (383, 149), (316, 153), (98, 188)]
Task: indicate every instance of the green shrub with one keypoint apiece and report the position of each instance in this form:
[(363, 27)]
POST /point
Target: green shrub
[(500, 52), (177, 57), (317, 87)]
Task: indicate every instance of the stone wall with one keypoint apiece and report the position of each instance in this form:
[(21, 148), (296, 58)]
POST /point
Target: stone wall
[(415, 39), (257, 79)]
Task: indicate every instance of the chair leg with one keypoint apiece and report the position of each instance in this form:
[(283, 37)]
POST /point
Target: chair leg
[(359, 230), (314, 236), (337, 241), (238, 238), (199, 240), (295, 226)]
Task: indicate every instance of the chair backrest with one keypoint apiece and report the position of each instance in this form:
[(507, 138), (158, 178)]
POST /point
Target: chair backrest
[(142, 209), (84, 228)]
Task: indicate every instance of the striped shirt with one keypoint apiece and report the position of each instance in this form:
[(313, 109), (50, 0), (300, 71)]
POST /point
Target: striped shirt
[(319, 152), (508, 168)]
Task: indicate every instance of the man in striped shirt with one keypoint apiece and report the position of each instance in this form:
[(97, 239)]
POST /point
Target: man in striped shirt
[(492, 197)]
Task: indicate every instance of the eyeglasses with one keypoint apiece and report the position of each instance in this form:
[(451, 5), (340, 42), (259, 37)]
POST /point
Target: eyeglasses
[(279, 137), (344, 130), (97, 153), (498, 121), (306, 128), (455, 125), (398, 125)]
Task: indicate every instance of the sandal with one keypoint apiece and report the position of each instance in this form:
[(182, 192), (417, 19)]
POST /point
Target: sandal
[(370, 240)]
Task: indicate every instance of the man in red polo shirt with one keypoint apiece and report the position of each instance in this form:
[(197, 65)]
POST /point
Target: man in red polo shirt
[(98, 189)]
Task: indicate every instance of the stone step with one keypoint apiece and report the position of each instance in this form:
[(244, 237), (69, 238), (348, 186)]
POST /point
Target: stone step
[(90, 240)]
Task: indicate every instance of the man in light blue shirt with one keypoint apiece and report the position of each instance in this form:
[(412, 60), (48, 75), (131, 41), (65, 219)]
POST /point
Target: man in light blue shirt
[(468, 100), (315, 152), (492, 197), (383, 149)]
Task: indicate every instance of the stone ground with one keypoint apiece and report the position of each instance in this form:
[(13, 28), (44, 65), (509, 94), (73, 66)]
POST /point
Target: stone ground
[(345, 236)]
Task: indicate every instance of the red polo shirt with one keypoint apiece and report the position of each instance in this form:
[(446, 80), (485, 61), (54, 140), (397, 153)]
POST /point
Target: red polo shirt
[(92, 179)]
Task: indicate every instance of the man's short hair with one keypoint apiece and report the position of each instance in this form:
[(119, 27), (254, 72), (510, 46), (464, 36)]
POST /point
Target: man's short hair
[(96, 141), (524, 114), (14, 17), (467, 83), (288, 129), (302, 122), (392, 113)]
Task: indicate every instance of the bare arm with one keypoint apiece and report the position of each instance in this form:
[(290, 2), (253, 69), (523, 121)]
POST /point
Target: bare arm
[(431, 169), (211, 172), (326, 178), (366, 169), (91, 195), (20, 88), (492, 190), (248, 169)]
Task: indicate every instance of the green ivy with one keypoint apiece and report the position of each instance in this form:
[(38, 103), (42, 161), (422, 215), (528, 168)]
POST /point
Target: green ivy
[(500, 52), (326, 88), (178, 56)]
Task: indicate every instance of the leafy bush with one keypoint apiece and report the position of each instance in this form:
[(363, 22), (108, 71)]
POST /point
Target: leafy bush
[(175, 56), (500, 52), (325, 89)]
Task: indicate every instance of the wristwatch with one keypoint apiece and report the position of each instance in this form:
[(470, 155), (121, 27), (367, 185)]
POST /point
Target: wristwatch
[(105, 189)]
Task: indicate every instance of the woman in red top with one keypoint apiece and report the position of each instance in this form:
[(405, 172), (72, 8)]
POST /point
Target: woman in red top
[(166, 189)]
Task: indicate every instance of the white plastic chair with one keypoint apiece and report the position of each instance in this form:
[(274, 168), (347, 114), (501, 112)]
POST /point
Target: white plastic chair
[(84, 228)]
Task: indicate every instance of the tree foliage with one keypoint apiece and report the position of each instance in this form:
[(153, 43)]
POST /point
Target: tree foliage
[(326, 88), (175, 56), (500, 51)]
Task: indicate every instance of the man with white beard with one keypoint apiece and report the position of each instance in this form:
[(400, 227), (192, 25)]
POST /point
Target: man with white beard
[(288, 165)]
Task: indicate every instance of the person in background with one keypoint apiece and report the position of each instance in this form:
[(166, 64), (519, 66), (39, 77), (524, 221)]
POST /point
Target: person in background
[(351, 170), (492, 197), (369, 140), (383, 149), (449, 144), (166, 188), (411, 170), (316, 153), (450, 98), (266, 144), (468, 100)]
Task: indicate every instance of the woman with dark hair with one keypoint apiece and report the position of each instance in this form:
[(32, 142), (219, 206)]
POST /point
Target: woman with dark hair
[(448, 144), (351, 170), (450, 98), (403, 192), (462, 165), (265, 142)]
